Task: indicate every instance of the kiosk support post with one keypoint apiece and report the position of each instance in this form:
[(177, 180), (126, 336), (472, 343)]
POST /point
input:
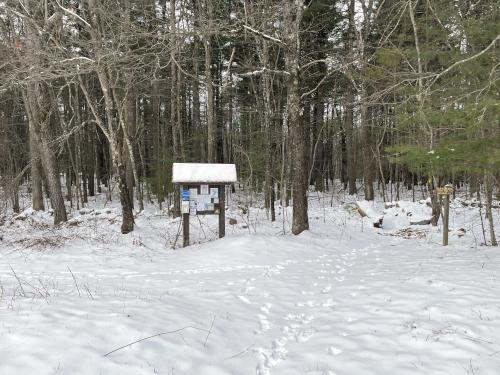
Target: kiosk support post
[(222, 212)]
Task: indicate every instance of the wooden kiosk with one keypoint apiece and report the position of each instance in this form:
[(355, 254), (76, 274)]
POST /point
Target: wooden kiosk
[(202, 189)]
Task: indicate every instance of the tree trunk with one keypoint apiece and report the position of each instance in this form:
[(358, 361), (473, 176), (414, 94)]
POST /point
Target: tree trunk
[(488, 186), (292, 20), (211, 124), (174, 94), (38, 106), (349, 109), (196, 118), (36, 171), (318, 162), (367, 149)]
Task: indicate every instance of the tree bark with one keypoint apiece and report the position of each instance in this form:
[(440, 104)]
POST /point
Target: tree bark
[(488, 187), (211, 124), (292, 20), (349, 108), (36, 170), (366, 142), (38, 106)]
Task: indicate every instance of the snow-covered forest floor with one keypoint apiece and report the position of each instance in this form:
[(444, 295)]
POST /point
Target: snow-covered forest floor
[(344, 298)]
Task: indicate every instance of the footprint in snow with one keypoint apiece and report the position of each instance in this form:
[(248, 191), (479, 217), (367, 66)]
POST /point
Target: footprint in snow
[(270, 357), (273, 271), (266, 307), (263, 323), (328, 303), (248, 289), (305, 293), (297, 333), (301, 318), (334, 351), (244, 299), (326, 289)]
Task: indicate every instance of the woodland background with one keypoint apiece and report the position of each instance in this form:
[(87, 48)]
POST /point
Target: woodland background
[(382, 95)]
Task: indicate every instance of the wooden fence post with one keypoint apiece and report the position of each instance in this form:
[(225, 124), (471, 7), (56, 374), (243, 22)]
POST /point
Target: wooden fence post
[(444, 193)]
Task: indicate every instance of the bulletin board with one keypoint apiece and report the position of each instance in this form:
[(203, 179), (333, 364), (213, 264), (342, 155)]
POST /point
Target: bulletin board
[(201, 199)]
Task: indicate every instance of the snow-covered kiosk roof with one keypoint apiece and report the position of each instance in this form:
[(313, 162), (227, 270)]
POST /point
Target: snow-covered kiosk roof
[(203, 173)]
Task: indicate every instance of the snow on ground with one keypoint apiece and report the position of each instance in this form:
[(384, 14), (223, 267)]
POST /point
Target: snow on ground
[(344, 298)]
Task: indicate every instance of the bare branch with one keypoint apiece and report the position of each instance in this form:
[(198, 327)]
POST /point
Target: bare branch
[(70, 12), (304, 95), (78, 58), (262, 71), (265, 36), (463, 61)]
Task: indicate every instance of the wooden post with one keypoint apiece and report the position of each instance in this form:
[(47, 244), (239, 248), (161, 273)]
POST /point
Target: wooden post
[(185, 230), (446, 216), (444, 193), (185, 219), (222, 212)]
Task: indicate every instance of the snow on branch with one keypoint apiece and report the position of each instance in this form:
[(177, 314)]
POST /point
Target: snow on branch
[(262, 71), (77, 58), (265, 36), (69, 11)]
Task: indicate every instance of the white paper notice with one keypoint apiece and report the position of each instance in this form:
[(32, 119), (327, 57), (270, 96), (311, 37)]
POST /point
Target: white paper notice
[(203, 199), (214, 192), (185, 207), (193, 193), (204, 189)]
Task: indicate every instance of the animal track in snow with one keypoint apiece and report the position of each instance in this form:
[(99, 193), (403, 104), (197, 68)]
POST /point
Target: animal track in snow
[(270, 357), (328, 303), (244, 299), (266, 307), (334, 351), (276, 270), (263, 323), (296, 330)]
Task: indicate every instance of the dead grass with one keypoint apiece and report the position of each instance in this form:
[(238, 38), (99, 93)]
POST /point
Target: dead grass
[(44, 242), (407, 233)]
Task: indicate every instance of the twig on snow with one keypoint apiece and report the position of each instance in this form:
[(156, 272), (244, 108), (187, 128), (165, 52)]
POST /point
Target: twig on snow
[(88, 292), (153, 336), (74, 279), (209, 332), (242, 352), (18, 281)]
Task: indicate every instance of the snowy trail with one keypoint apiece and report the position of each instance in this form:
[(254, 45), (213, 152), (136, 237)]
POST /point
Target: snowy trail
[(282, 305)]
